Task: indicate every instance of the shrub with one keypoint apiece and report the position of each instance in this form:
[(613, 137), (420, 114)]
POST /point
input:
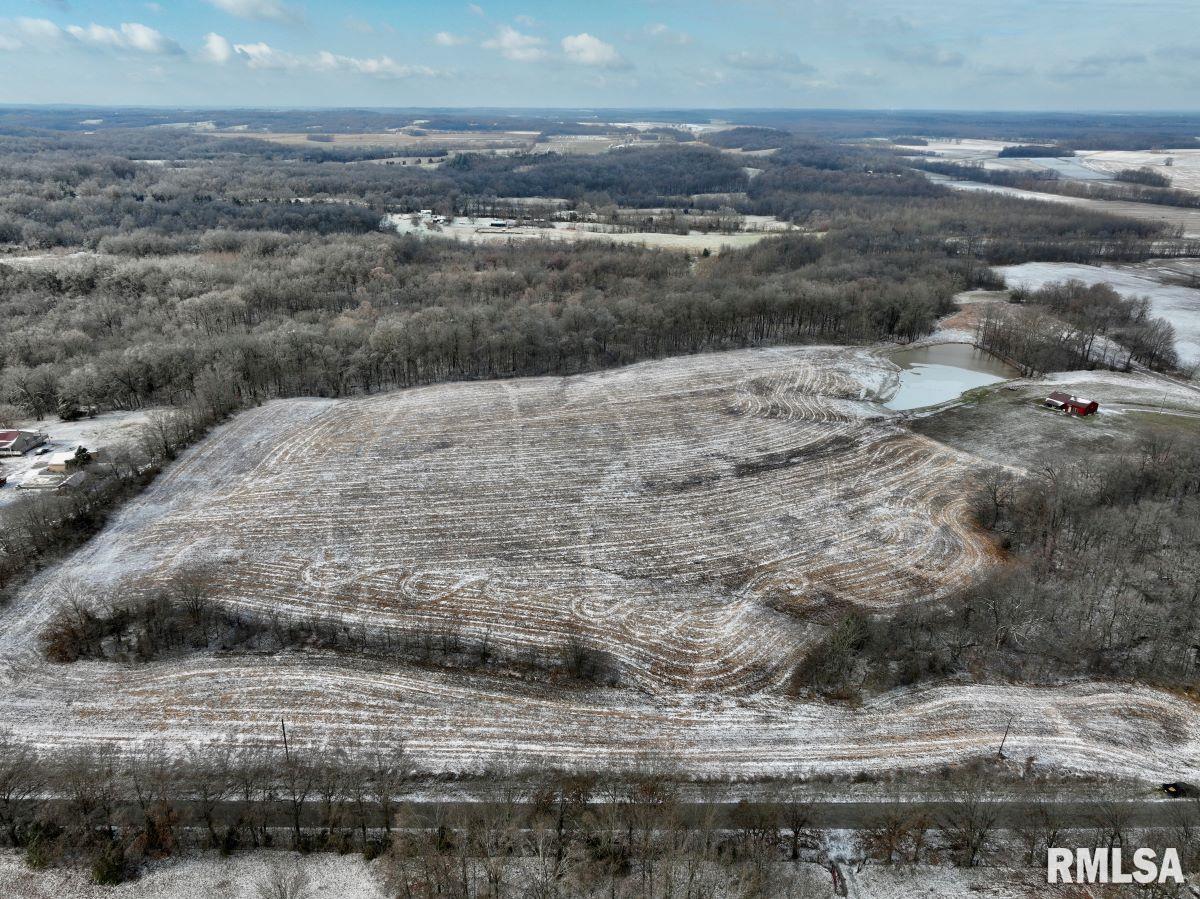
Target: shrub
[(109, 866)]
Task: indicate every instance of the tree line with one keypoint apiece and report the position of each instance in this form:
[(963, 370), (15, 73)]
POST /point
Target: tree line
[(644, 831), (1071, 326), (182, 620)]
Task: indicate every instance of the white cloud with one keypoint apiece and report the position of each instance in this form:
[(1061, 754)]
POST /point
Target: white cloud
[(39, 33), (262, 55), (476, 9), (99, 35), (381, 67), (154, 7), (42, 34), (262, 10), (131, 36), (587, 50), (769, 61), (516, 46), (447, 39), (668, 35), (217, 49), (9, 43), (147, 39)]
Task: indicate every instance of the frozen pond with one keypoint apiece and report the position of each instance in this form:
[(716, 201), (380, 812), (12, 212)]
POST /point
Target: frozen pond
[(1072, 168), (935, 374), (1178, 305)]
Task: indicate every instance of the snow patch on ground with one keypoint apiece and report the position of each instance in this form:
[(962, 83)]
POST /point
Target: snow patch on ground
[(207, 877), (1178, 305)]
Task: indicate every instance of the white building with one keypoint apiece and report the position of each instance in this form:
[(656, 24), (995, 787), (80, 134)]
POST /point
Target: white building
[(18, 443)]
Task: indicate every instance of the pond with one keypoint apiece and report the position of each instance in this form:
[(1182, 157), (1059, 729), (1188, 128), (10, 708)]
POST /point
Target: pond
[(934, 374)]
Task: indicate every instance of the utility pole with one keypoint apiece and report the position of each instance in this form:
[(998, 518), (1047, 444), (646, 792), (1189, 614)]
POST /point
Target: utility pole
[(1007, 728), (286, 754)]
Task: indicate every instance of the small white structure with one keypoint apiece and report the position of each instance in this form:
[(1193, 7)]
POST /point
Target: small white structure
[(18, 443), (63, 462), (50, 480)]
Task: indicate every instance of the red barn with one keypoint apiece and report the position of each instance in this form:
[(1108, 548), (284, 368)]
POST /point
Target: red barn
[(1074, 405)]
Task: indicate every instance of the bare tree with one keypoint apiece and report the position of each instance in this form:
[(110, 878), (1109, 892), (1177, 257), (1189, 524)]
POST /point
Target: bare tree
[(389, 771), (20, 783), (210, 781), (970, 818), (285, 883)]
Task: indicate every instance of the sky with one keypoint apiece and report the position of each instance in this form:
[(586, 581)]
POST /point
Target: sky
[(1132, 55)]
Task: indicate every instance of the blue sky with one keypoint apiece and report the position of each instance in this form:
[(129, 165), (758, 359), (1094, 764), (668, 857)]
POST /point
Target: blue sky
[(953, 54)]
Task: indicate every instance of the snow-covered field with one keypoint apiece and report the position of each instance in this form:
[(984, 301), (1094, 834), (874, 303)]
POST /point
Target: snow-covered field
[(481, 230), (238, 876), (1009, 426), (1181, 166), (1178, 305), (349, 877), (700, 518)]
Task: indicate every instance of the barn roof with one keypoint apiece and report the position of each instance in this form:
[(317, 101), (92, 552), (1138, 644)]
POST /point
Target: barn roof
[(1059, 397)]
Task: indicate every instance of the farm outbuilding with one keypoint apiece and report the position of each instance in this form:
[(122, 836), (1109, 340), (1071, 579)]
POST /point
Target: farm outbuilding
[(18, 443), (64, 461), (1074, 405), (50, 480)]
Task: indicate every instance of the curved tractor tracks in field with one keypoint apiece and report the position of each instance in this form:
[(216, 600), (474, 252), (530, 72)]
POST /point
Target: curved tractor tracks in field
[(703, 520)]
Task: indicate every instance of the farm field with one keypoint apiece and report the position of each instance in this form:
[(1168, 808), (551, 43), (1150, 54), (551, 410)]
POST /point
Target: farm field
[(1177, 304), (702, 520), (464, 140), (1187, 221), (481, 230), (1181, 166)]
